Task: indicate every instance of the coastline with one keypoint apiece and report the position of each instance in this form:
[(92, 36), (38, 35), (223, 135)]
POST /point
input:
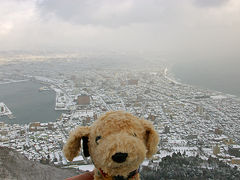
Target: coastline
[(170, 79)]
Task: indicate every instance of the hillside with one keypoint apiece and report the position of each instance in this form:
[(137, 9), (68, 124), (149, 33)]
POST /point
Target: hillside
[(190, 168), (15, 166)]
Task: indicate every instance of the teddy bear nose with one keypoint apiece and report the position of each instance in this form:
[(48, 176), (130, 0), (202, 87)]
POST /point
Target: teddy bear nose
[(120, 157)]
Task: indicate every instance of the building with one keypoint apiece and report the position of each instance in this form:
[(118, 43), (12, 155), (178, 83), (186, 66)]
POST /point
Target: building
[(34, 126), (95, 116), (83, 100), (132, 82), (218, 131), (200, 110), (2, 109), (2, 124), (235, 161), (216, 150), (50, 126), (166, 129), (152, 117)]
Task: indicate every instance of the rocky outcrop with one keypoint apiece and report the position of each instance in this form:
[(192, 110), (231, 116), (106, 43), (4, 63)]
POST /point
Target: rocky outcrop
[(14, 166)]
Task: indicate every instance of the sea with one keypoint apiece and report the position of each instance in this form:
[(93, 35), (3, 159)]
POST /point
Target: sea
[(27, 103), (219, 76)]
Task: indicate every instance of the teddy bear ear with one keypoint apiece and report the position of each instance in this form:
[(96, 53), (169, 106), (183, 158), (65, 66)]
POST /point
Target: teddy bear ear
[(72, 147), (151, 138)]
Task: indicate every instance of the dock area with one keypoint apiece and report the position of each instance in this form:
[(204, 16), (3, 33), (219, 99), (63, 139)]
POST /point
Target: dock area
[(5, 111)]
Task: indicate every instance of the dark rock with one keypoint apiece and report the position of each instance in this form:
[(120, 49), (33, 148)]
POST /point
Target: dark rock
[(14, 166)]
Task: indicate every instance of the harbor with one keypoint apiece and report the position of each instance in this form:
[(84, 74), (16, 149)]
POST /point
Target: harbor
[(27, 103)]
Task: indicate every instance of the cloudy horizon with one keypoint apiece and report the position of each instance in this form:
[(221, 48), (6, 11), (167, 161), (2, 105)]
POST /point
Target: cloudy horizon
[(188, 27)]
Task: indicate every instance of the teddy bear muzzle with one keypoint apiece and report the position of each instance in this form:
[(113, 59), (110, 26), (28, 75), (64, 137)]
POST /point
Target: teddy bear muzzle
[(118, 155), (123, 151)]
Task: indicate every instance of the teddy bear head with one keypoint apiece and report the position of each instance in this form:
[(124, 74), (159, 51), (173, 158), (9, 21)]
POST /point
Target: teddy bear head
[(117, 142)]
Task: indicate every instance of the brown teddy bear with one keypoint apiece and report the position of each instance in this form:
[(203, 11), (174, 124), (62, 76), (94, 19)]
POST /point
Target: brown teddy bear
[(117, 143)]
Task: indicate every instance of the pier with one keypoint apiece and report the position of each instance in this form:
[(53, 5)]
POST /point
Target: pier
[(5, 111)]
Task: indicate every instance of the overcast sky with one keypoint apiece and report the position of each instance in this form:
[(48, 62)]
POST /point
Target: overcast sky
[(174, 26)]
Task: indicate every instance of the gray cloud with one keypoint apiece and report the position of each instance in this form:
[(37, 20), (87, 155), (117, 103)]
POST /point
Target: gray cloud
[(173, 26), (108, 12), (210, 3), (118, 13)]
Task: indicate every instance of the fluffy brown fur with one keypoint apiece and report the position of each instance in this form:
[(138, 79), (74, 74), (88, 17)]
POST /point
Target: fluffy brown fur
[(120, 132)]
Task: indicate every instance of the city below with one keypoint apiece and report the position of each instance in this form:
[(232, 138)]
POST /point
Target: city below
[(189, 120)]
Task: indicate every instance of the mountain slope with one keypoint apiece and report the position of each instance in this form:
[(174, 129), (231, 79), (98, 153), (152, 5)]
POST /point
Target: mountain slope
[(15, 166)]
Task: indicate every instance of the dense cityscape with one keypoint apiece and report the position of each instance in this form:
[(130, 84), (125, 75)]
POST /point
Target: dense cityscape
[(190, 120)]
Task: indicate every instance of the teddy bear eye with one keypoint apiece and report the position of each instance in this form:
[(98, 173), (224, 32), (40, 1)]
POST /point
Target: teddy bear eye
[(97, 138)]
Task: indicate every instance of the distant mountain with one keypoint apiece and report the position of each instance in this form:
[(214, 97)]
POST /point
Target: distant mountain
[(15, 166)]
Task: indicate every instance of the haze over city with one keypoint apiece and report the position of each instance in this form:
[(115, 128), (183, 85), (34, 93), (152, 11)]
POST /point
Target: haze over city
[(175, 63)]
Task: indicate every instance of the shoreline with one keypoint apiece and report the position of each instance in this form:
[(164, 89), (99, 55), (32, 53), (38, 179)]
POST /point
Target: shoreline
[(170, 79)]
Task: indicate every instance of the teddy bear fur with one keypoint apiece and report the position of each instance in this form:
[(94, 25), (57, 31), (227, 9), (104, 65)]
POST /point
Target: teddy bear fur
[(114, 133)]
